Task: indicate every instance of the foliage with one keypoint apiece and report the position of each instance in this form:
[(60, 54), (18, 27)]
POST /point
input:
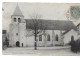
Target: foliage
[(5, 43), (75, 46)]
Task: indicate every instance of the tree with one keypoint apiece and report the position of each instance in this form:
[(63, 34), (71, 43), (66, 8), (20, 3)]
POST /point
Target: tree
[(75, 45), (37, 26), (7, 41)]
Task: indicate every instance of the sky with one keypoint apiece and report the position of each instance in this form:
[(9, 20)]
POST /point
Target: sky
[(49, 11)]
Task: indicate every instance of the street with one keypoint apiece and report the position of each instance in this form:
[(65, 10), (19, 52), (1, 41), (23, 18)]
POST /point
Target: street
[(41, 51)]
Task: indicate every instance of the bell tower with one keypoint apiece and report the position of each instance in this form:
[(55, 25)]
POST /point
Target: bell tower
[(16, 18)]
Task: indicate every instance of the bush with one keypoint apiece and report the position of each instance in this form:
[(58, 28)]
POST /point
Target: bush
[(75, 46), (4, 47)]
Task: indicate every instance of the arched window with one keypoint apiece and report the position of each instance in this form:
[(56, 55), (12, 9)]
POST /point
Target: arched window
[(40, 37), (19, 20), (48, 37), (72, 38), (14, 19), (56, 37)]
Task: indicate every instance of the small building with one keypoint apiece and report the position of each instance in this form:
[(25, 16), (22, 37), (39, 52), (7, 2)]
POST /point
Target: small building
[(5, 39), (72, 34)]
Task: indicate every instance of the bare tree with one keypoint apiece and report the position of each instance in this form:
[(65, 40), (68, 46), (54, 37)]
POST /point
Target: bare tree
[(37, 26)]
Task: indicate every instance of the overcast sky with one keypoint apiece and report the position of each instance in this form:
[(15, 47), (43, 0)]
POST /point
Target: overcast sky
[(50, 11)]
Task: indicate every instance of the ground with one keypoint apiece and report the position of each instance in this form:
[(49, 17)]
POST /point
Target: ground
[(41, 51)]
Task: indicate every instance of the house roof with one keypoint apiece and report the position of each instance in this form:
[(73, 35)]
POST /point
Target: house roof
[(17, 12), (78, 24), (53, 24)]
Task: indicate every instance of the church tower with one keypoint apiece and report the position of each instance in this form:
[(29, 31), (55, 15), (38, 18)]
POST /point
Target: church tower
[(16, 18)]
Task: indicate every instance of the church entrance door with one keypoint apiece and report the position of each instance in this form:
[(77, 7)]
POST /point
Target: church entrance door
[(17, 44), (22, 44)]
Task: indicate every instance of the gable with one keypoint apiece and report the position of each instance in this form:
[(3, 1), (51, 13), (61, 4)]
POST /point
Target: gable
[(69, 31)]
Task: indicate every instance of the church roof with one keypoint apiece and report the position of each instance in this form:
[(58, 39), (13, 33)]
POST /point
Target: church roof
[(17, 12), (53, 24)]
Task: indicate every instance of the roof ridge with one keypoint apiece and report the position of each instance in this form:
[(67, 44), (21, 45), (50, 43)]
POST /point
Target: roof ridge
[(51, 20)]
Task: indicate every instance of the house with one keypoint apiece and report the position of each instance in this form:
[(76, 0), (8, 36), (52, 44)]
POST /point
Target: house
[(72, 34), (20, 34), (5, 40), (78, 30), (4, 35)]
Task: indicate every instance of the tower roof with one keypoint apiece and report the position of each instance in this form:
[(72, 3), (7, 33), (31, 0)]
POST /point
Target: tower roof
[(17, 12)]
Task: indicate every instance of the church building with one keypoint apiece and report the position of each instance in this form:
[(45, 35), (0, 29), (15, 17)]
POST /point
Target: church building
[(21, 36)]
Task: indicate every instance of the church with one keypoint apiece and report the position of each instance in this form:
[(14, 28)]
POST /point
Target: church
[(57, 33)]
